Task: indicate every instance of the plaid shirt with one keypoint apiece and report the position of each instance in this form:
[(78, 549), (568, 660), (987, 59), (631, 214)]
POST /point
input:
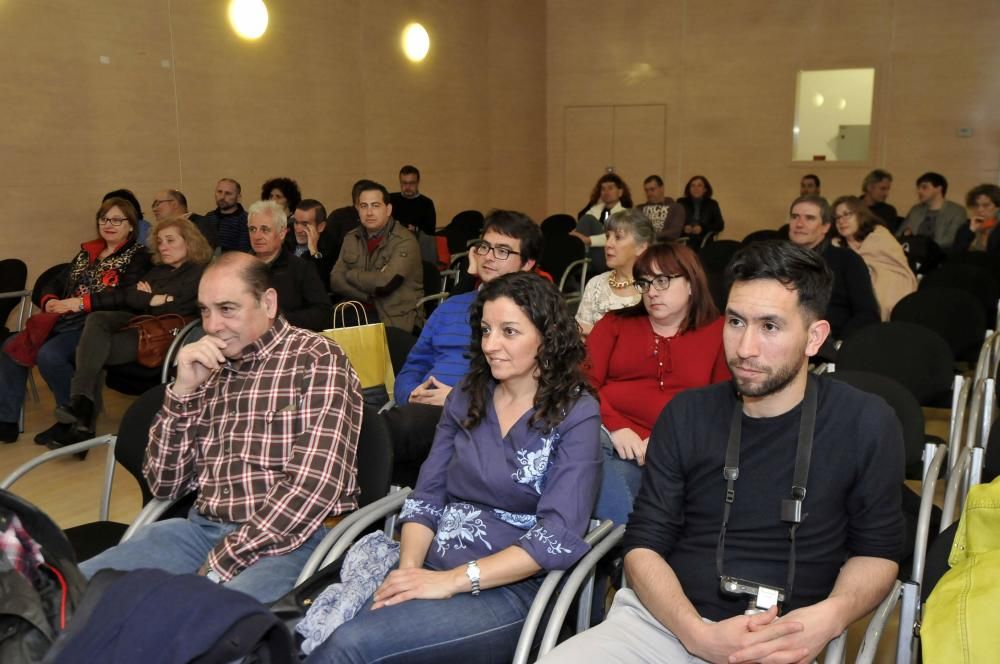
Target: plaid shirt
[(269, 444)]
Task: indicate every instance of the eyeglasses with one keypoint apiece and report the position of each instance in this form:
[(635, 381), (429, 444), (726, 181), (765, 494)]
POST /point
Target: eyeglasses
[(482, 248), (113, 221), (838, 217), (660, 282)]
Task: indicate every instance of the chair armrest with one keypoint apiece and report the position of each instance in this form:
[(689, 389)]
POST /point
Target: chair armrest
[(342, 536), (834, 652), (936, 455), (152, 511), (580, 573), (876, 626)]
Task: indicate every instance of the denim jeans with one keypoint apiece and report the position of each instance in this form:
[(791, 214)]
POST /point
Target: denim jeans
[(620, 483), (181, 546), (462, 628), (55, 363)]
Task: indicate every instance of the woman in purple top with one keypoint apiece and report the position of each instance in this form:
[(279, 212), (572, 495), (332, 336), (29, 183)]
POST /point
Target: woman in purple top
[(504, 496)]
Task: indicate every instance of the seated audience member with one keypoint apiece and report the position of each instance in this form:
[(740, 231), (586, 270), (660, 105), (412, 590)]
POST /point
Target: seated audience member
[(629, 234), (410, 207), (891, 276), (342, 221), (283, 191), (666, 214), (170, 287), (702, 213), (505, 495), (933, 216), (984, 208), (225, 227), (379, 263), (111, 261), (642, 357), (511, 242), (874, 192), (143, 226), (302, 299), (168, 204), (852, 303), (270, 474), (809, 185), (610, 195), (308, 240), (686, 537)]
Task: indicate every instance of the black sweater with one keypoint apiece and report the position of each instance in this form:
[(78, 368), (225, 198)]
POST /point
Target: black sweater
[(852, 303), (301, 295), (852, 502), (417, 212)]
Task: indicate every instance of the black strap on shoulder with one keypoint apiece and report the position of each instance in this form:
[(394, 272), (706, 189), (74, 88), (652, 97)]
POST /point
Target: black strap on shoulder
[(791, 508)]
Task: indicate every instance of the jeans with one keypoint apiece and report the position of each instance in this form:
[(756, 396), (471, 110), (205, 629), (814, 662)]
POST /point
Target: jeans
[(462, 629), (181, 546), (620, 484), (55, 363)]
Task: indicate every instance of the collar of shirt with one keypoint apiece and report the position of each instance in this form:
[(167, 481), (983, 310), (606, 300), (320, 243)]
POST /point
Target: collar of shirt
[(265, 344)]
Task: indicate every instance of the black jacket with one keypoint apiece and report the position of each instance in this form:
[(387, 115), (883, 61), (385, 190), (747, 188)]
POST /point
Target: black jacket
[(324, 262), (710, 218), (852, 303), (301, 295)]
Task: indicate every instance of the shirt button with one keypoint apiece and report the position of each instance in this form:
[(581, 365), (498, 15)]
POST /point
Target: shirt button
[(225, 492)]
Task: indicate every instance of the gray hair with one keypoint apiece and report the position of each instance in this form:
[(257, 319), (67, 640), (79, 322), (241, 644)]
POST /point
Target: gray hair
[(271, 209), (634, 222)]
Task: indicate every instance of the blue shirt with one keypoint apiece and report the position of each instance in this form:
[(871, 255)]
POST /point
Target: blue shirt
[(441, 349), (480, 492)]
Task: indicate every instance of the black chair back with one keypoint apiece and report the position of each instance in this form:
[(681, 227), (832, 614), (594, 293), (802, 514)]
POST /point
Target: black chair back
[(915, 356), (936, 563), (374, 458), (954, 314), (466, 225), (432, 278), (991, 460), (923, 253), (906, 407), (400, 342), (762, 236), (977, 281), (43, 280), (560, 251), (557, 224), (715, 256), (977, 259), (133, 435), (13, 278)]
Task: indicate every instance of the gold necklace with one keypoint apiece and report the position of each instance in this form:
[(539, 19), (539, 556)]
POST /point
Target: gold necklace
[(618, 284)]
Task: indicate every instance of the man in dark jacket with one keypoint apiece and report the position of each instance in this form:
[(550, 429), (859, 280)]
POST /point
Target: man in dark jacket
[(301, 295), (308, 239), (225, 226)]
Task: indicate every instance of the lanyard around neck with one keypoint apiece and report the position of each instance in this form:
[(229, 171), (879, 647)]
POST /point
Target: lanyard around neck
[(791, 508)]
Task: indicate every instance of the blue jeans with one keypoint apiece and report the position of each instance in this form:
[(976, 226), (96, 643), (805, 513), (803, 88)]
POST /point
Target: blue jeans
[(462, 629), (620, 483), (55, 362), (181, 546)]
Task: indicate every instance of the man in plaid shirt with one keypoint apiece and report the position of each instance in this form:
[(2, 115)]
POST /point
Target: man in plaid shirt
[(262, 422)]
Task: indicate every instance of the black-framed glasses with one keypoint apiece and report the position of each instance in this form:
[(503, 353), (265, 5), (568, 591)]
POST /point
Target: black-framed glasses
[(162, 201), (660, 282), (483, 247), (113, 221)]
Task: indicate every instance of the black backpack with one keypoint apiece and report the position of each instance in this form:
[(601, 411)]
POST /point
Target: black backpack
[(34, 612)]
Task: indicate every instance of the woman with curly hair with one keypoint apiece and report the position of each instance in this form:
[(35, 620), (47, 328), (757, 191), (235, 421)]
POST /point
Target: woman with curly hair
[(111, 261), (504, 496), (283, 191), (642, 356)]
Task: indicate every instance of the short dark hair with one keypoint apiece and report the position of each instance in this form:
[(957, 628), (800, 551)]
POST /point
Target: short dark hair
[(409, 169), (935, 180), (239, 187), (287, 186), (653, 178), (128, 196), (179, 197), (357, 188), (704, 180), (308, 204), (796, 268), (813, 177), (520, 227), (825, 213), (371, 185), (991, 191), (876, 176)]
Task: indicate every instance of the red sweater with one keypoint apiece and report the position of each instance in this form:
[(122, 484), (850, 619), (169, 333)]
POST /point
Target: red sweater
[(627, 375)]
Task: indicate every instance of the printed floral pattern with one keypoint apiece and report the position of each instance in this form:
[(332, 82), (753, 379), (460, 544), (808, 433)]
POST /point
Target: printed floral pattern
[(535, 464), (460, 525), (413, 507), (553, 545), (522, 521)]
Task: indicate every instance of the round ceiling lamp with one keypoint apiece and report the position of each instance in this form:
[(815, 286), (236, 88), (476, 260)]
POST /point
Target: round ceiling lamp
[(248, 18), (416, 42)]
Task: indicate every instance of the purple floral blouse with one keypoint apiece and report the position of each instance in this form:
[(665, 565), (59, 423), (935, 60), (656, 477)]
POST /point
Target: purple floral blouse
[(481, 493)]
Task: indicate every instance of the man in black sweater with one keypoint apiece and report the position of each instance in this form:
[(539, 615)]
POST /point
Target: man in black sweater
[(728, 527), (409, 206), (852, 303)]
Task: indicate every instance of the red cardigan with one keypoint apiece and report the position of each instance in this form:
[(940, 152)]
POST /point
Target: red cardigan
[(626, 374)]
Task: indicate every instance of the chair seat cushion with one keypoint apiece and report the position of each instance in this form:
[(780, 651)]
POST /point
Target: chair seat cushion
[(90, 539)]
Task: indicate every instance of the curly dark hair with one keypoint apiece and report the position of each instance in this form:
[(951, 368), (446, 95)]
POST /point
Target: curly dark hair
[(287, 186), (615, 179), (560, 357)]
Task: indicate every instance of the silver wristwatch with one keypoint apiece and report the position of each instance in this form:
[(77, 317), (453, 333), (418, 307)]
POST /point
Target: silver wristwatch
[(472, 571), (213, 576)]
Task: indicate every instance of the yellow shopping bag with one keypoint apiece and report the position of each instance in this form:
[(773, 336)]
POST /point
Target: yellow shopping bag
[(365, 345)]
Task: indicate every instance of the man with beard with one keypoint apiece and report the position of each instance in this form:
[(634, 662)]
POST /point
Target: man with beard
[(731, 530), (225, 227)]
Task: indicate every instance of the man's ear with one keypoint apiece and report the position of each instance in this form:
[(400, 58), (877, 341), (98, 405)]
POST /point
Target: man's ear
[(529, 265), (270, 302), (818, 333), (388, 207), (320, 227)]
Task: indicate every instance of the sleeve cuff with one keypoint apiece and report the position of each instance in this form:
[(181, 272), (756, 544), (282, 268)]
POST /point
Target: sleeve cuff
[(187, 405), (553, 548), (420, 511)]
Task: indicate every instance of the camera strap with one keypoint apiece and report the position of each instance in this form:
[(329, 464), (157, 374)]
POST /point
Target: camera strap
[(791, 508)]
